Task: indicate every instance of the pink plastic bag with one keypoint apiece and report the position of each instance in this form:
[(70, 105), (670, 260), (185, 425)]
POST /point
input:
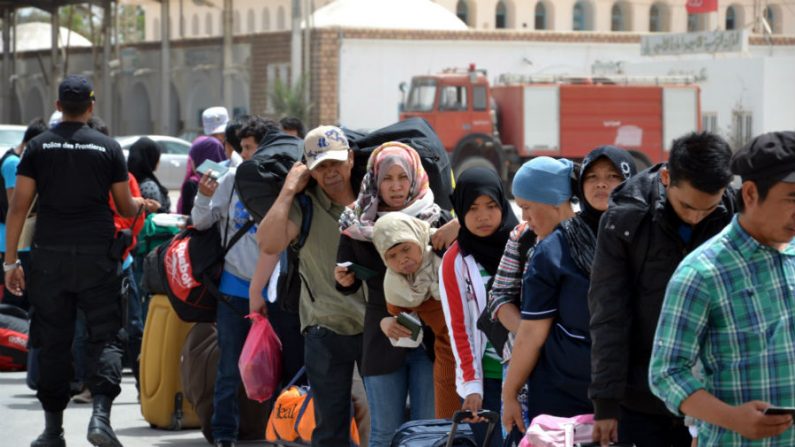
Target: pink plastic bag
[(550, 431), (260, 361)]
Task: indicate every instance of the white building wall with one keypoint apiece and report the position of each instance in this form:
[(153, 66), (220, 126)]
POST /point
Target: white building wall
[(372, 70), (779, 95)]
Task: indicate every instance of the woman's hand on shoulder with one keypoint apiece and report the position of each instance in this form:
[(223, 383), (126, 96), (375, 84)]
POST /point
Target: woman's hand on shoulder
[(445, 235)]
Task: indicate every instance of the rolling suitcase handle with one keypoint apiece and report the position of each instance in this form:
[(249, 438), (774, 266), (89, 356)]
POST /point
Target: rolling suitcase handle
[(492, 417)]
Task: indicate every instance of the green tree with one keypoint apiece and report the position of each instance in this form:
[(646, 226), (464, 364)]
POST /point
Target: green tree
[(291, 100)]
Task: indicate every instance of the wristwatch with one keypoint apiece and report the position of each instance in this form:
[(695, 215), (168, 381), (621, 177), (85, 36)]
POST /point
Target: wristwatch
[(8, 267)]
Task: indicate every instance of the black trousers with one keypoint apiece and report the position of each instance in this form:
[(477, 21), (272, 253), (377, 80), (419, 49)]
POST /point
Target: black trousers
[(330, 359), (61, 280), (651, 430)]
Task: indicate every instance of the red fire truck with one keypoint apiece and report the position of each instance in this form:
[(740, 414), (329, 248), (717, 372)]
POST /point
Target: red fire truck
[(521, 117)]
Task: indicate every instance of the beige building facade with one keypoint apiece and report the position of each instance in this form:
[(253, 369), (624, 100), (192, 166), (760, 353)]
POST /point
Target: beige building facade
[(189, 20)]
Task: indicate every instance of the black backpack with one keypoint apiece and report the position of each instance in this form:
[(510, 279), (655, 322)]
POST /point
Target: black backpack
[(417, 133), (258, 182)]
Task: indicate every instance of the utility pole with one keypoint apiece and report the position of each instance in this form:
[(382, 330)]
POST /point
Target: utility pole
[(106, 89), (227, 56), (165, 68), (55, 65), (296, 65), (5, 85)]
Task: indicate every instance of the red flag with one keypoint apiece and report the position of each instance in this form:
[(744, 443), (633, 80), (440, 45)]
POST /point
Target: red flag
[(701, 6)]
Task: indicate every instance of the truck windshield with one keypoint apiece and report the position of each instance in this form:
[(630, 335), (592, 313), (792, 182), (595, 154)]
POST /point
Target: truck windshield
[(421, 95)]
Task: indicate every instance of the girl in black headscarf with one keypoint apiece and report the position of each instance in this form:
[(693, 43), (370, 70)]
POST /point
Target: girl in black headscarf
[(142, 163), (468, 265), (552, 351)]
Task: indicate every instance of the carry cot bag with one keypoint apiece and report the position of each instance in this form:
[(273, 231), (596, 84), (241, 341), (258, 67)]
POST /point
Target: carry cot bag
[(444, 432)]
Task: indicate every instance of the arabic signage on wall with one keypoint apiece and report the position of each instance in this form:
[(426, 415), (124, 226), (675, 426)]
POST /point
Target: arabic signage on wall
[(693, 43)]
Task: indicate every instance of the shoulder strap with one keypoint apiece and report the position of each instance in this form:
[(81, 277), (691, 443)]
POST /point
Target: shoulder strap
[(238, 234), (306, 220), (526, 241)]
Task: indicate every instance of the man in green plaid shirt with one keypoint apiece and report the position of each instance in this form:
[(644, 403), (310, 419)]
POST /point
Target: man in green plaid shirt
[(731, 305)]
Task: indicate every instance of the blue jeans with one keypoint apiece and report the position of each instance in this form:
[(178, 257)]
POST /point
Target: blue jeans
[(386, 397), (135, 323), (232, 331)]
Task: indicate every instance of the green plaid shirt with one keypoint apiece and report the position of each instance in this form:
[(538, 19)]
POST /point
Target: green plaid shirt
[(731, 305)]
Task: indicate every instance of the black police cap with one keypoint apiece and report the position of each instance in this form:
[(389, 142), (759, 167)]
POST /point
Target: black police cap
[(75, 89)]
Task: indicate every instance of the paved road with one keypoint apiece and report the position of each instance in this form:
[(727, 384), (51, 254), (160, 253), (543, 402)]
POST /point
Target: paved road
[(22, 419)]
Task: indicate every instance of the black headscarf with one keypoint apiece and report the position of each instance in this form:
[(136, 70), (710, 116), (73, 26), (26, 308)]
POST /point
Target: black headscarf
[(142, 161), (624, 164), (581, 230), (470, 185)]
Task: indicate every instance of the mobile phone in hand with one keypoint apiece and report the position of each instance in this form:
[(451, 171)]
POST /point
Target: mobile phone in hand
[(776, 411)]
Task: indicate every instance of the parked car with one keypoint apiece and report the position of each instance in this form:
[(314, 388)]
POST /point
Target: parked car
[(10, 136), (173, 160)]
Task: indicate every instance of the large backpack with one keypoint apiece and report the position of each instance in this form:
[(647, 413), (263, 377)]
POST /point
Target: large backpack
[(417, 133), (258, 182)]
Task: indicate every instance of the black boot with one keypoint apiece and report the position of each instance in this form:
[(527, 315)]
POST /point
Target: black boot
[(99, 431), (53, 431)]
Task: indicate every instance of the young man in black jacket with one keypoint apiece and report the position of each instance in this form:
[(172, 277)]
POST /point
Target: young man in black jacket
[(654, 220)]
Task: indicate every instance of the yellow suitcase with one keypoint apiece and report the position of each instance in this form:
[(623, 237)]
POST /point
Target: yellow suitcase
[(163, 404)]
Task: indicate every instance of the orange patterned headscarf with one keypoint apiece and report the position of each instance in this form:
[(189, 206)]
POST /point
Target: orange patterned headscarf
[(358, 219)]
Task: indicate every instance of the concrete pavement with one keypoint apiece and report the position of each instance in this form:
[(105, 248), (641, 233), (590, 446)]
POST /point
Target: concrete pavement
[(22, 419)]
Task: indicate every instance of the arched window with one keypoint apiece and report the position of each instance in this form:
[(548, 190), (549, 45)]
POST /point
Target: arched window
[(280, 19), (194, 25), (266, 19), (208, 24), (731, 18), (695, 22), (462, 11), (655, 24), (772, 17), (658, 18), (616, 18), (541, 16), (237, 24), (500, 15), (580, 17), (251, 21), (156, 29)]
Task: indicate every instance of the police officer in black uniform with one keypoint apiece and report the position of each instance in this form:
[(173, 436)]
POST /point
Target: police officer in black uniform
[(73, 265)]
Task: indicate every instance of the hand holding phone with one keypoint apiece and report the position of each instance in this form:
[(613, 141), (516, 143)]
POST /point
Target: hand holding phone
[(776, 411)]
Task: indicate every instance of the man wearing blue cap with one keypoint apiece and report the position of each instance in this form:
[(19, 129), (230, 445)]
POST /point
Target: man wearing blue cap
[(72, 168), (654, 219)]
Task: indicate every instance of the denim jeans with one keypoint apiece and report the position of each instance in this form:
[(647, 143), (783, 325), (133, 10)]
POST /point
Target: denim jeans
[(232, 331), (134, 324), (330, 359), (386, 396)]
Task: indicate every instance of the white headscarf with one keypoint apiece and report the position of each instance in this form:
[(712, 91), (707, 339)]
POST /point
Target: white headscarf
[(407, 290)]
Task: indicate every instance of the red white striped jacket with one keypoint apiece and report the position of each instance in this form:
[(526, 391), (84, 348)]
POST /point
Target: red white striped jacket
[(463, 299)]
